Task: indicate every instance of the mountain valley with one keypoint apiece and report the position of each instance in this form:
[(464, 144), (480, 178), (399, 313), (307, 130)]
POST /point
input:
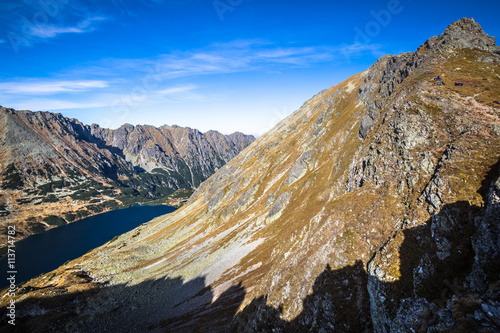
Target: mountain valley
[(56, 170), (375, 207)]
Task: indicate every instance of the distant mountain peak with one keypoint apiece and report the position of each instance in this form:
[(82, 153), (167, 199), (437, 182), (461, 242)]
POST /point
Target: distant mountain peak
[(46, 158)]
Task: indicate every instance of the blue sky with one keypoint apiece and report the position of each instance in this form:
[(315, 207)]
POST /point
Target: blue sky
[(228, 65)]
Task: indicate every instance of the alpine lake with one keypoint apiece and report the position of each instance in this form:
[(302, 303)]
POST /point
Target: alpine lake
[(50, 249)]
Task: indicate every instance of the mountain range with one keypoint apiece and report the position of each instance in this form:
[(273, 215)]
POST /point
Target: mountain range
[(374, 207), (55, 170)]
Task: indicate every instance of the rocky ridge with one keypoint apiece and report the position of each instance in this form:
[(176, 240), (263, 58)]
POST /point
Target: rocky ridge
[(56, 170), (374, 207)]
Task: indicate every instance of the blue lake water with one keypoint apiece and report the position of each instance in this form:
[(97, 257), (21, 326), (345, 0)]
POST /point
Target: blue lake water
[(48, 250)]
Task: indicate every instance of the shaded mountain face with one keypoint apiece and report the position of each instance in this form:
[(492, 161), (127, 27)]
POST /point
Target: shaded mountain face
[(374, 207), (55, 170), (187, 156)]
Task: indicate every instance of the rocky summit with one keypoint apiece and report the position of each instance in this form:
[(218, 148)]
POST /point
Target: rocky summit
[(55, 170), (374, 207)]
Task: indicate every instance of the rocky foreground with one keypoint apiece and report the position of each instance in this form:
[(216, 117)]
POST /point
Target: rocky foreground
[(375, 207)]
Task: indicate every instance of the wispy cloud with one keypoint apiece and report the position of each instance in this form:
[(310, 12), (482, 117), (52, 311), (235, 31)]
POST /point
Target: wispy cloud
[(49, 104), (358, 48), (176, 90), (252, 55), (26, 23), (72, 95), (216, 58), (237, 56), (50, 31), (43, 87), (224, 58)]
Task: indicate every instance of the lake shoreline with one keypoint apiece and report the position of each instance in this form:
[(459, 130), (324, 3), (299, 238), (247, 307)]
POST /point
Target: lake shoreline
[(44, 252)]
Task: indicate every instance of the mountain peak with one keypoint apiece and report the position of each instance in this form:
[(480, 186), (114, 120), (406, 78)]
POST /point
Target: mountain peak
[(466, 24), (464, 33)]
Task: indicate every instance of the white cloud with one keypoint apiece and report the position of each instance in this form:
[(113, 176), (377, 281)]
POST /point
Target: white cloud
[(50, 31), (29, 22), (223, 58), (217, 58), (356, 49), (175, 90), (49, 87), (285, 52), (236, 57), (54, 104), (241, 56)]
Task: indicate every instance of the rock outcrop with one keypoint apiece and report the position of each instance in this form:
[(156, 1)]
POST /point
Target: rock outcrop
[(55, 170), (327, 223)]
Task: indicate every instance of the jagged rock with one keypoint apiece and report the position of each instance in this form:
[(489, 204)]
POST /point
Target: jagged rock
[(412, 316), (364, 126), (465, 33)]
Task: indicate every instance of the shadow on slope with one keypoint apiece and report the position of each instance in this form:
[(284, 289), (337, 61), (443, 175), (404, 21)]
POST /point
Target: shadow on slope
[(339, 303), (174, 305), (436, 262), (433, 271), (449, 270), (85, 134), (115, 308), (434, 282)]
